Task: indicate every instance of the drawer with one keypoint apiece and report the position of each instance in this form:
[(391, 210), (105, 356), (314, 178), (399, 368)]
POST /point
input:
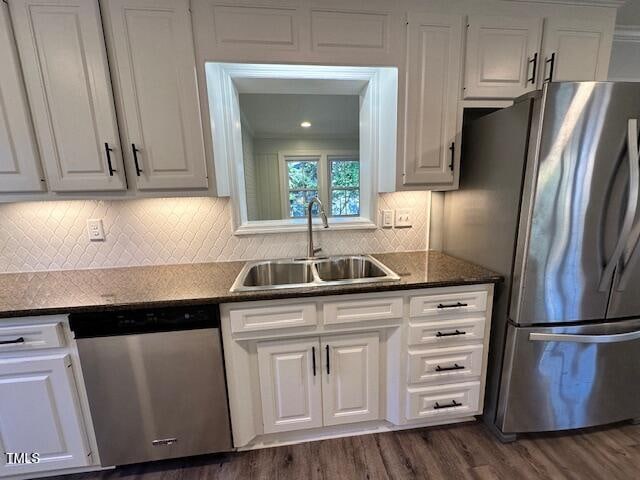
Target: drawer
[(445, 364), (454, 302), (443, 401), (349, 311), (31, 337), (447, 332), (272, 318)]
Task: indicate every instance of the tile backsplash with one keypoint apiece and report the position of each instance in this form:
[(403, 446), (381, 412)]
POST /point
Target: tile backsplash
[(42, 236)]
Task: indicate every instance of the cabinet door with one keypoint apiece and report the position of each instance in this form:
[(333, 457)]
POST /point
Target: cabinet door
[(19, 160), (61, 46), (576, 50), (39, 412), (290, 386), (151, 45), (434, 51), (502, 56), (350, 389)]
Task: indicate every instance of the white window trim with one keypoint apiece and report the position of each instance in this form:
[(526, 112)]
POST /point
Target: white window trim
[(377, 86)]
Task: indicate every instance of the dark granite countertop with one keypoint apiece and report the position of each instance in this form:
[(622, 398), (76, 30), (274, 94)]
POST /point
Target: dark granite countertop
[(44, 293)]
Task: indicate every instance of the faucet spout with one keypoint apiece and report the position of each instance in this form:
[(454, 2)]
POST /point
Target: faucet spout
[(311, 251)]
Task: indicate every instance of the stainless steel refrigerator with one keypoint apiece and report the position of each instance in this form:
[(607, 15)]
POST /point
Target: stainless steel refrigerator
[(549, 198)]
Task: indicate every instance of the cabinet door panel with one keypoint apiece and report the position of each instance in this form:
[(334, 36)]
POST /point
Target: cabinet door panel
[(350, 389), (153, 56), (290, 392), (39, 412), (19, 159), (500, 56), (63, 55), (581, 49), (434, 49)]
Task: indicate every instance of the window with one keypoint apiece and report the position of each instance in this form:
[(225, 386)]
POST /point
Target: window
[(344, 186), (302, 183), (333, 178)]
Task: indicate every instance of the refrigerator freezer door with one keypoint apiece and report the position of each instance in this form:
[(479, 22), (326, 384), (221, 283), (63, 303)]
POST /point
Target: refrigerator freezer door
[(580, 203), (561, 378)]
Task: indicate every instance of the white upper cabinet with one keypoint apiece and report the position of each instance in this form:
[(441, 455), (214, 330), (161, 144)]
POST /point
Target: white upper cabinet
[(503, 56), (39, 413), (19, 159), (576, 49), (350, 389), (153, 63), (290, 385), (63, 56), (434, 63)]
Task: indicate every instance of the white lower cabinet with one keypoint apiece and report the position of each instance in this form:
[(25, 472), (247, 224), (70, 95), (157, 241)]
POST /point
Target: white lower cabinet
[(350, 385), (39, 413), (313, 368), (289, 385), (311, 382)]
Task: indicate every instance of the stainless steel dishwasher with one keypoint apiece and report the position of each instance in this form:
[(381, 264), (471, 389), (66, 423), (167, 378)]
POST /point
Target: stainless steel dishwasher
[(155, 382)]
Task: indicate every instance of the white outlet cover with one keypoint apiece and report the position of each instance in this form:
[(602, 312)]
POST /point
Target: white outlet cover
[(95, 228), (403, 217), (387, 218)]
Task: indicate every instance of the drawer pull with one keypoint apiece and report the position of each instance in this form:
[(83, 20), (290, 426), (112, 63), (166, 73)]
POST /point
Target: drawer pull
[(453, 305), (12, 342), (453, 403), (446, 369), (450, 334)]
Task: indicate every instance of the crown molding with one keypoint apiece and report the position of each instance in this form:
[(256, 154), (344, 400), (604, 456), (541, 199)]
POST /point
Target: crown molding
[(586, 3), (627, 34)]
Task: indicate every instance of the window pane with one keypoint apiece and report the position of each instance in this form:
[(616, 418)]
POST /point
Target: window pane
[(345, 202), (298, 202), (302, 174), (345, 173)]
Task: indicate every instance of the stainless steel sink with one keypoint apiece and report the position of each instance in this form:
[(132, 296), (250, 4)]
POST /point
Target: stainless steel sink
[(270, 274), (297, 273), (348, 268)]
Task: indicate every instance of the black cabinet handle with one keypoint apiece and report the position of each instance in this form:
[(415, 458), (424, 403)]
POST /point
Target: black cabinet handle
[(452, 149), (108, 150), (453, 403), (450, 334), (11, 342), (135, 159), (552, 65), (453, 305), (534, 60), (313, 360), (328, 365), (446, 369)]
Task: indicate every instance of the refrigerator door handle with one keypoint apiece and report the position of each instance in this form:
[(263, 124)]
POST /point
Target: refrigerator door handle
[(569, 337), (632, 206), (632, 244)]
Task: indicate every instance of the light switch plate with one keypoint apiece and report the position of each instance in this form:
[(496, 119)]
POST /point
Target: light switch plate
[(95, 229), (387, 218), (403, 217)]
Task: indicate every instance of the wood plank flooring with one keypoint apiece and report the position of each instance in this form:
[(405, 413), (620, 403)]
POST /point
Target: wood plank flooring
[(465, 451)]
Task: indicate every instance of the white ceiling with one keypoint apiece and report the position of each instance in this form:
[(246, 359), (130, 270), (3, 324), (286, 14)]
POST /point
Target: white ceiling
[(629, 13), (280, 115)]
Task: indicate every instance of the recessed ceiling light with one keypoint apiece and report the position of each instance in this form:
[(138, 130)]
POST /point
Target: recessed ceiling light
[(305, 124)]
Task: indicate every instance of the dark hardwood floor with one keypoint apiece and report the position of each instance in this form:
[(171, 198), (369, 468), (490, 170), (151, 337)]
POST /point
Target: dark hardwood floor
[(451, 452)]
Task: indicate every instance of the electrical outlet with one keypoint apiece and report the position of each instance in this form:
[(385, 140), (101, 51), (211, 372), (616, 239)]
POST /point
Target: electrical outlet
[(403, 217), (387, 218), (95, 229)]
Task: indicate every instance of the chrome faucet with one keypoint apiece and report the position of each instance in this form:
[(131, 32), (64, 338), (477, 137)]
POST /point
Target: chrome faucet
[(311, 252)]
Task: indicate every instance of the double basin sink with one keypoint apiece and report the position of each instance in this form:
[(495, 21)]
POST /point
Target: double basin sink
[(297, 273)]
